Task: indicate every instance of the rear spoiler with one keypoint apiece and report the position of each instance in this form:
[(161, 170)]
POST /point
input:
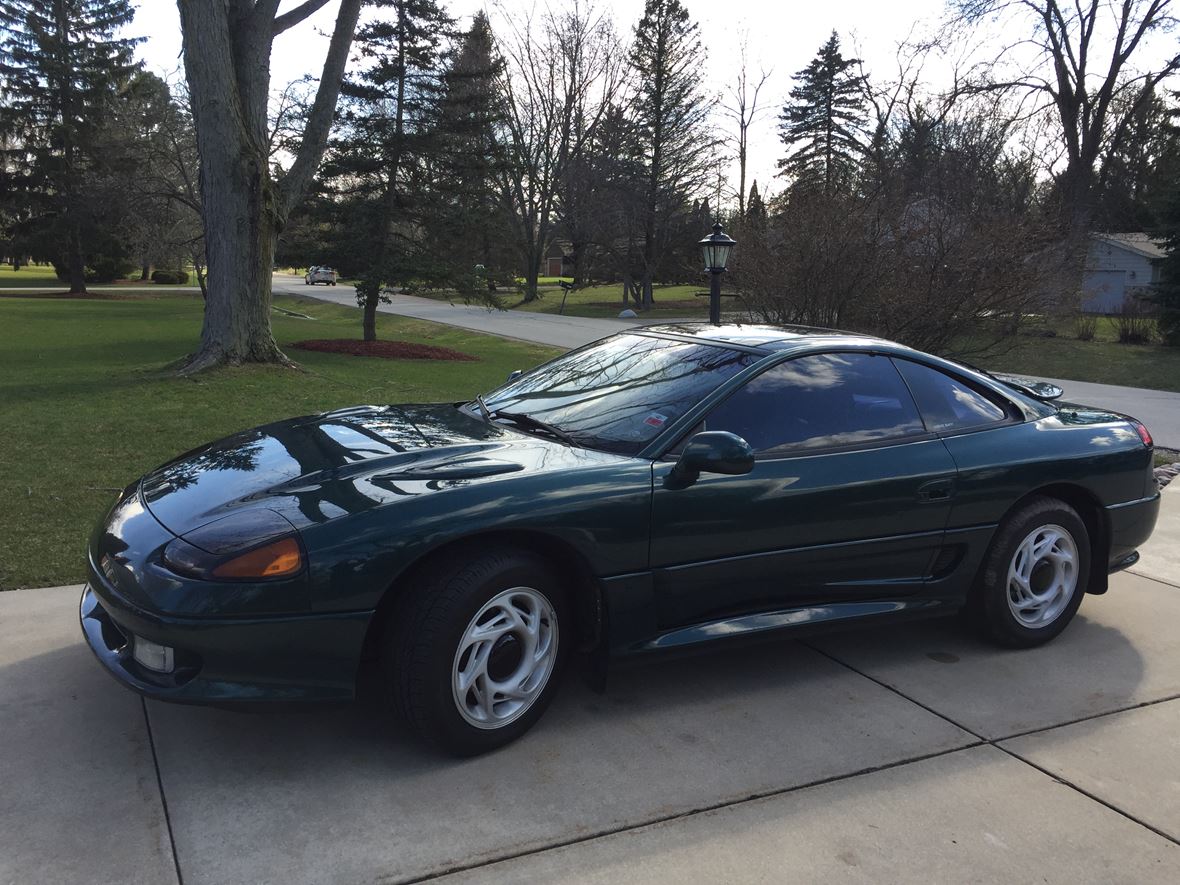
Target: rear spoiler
[(1041, 390)]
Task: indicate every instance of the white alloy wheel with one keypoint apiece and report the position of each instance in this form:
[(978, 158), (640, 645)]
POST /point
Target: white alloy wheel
[(1042, 576), (505, 658)]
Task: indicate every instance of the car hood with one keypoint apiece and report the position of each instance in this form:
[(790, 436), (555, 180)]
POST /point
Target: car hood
[(320, 467)]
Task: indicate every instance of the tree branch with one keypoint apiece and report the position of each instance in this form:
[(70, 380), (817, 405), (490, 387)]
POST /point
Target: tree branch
[(294, 16), (319, 121)]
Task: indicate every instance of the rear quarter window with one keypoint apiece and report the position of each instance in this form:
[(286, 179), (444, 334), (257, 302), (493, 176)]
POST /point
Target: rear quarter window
[(949, 404)]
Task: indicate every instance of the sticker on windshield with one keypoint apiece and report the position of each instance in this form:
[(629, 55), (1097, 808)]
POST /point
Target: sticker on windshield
[(655, 420)]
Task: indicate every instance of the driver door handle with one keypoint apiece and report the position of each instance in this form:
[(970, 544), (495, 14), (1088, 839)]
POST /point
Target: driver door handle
[(936, 490)]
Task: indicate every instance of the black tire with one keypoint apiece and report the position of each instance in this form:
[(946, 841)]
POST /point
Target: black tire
[(420, 653), (989, 609), (331, 284)]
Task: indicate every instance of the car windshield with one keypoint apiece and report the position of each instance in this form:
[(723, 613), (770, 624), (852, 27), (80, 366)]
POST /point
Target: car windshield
[(618, 394)]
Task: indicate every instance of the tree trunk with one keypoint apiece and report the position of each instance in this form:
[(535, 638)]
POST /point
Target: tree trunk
[(227, 49), (145, 272), (372, 297), (75, 263), (531, 274)]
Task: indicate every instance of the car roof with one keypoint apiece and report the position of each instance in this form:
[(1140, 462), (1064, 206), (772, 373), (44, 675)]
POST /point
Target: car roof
[(761, 336)]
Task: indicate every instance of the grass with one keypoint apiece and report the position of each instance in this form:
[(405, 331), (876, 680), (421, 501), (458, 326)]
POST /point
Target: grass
[(85, 406), (1102, 361), (41, 276), (30, 276), (607, 300)]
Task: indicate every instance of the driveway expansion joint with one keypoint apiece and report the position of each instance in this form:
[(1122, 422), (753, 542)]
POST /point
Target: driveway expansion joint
[(996, 742), (681, 815), (147, 721)]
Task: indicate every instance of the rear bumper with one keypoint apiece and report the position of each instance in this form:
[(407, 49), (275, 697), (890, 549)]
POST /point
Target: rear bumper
[(1131, 524), (227, 661)]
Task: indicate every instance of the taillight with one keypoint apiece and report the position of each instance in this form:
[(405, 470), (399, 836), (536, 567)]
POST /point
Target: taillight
[(1143, 434)]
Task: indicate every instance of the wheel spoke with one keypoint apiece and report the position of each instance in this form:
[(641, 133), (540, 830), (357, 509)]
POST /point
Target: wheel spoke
[(1047, 547), (524, 617)]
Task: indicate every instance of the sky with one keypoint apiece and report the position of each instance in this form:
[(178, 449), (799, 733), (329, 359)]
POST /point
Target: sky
[(782, 37)]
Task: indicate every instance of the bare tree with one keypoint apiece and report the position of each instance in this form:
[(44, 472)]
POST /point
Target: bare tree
[(742, 108), (1086, 50), (562, 74), (227, 47)]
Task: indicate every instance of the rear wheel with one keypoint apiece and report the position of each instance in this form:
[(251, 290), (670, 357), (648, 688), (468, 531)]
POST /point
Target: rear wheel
[(474, 653), (1034, 576)]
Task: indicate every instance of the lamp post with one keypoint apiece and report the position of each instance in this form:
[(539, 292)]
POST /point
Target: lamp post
[(716, 248)]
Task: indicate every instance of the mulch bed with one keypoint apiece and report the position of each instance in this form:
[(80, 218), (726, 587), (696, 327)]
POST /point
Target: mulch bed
[(386, 350)]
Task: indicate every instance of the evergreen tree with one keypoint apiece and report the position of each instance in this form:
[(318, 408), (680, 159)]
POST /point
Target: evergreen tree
[(823, 125), (374, 170), (1167, 290), (672, 125), (756, 216), (1135, 179), (466, 230), (61, 63)]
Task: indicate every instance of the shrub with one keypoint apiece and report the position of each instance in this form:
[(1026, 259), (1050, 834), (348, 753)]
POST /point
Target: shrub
[(1084, 326), (170, 277), (1134, 321)]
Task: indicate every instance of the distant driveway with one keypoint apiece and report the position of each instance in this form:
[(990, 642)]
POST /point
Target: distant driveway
[(539, 328)]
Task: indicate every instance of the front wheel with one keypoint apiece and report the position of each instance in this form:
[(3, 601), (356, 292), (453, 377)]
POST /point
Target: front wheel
[(475, 650), (1034, 576)]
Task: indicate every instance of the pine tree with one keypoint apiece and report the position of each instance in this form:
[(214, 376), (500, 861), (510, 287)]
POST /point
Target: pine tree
[(756, 216), (823, 124), (1167, 294), (466, 230), (61, 63), (672, 124), (375, 167)]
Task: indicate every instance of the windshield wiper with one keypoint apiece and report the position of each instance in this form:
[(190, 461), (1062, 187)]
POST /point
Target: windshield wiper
[(483, 407), (523, 420)]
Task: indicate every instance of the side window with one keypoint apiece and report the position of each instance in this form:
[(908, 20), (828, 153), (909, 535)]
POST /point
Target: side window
[(949, 405), (820, 401)]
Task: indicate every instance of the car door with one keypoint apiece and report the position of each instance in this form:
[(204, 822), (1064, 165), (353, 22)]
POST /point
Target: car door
[(848, 498)]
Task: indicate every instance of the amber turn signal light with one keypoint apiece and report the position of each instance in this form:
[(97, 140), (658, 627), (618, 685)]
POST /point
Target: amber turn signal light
[(277, 559)]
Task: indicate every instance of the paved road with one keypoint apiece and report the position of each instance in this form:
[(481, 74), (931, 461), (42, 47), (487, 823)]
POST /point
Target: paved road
[(1158, 409), (908, 754), (539, 328)]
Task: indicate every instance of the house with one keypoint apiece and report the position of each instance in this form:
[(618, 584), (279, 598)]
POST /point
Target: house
[(1118, 265), (557, 262)]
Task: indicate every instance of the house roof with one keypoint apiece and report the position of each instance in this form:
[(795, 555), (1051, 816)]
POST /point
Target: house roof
[(1136, 241)]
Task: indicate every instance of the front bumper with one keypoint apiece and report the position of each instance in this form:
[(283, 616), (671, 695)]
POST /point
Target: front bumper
[(225, 661)]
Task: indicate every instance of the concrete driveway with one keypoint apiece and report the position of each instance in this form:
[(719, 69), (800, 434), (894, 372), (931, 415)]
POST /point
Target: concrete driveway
[(1158, 409), (880, 755)]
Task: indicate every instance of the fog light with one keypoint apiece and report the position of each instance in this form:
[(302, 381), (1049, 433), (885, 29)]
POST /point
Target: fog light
[(152, 655)]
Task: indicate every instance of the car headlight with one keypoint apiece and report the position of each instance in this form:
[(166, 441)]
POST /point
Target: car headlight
[(255, 545)]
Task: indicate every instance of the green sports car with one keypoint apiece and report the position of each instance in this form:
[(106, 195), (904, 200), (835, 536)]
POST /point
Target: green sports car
[(658, 489)]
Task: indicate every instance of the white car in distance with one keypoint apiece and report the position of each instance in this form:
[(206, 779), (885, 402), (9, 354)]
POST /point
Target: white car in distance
[(319, 274)]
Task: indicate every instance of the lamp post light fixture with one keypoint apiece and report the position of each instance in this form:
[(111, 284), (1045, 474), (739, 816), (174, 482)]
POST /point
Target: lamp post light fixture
[(716, 248)]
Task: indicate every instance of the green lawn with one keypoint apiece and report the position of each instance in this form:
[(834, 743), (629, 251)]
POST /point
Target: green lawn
[(85, 408), (29, 277), (1103, 360), (607, 301)]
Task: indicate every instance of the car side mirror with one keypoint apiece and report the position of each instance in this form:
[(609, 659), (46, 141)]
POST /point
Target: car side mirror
[(516, 373), (713, 451)]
